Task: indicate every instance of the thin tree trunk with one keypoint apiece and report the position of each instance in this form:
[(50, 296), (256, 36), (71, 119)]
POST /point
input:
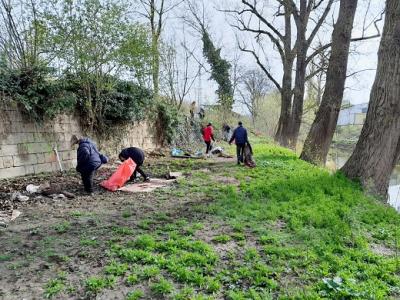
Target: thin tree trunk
[(378, 148), (319, 138), (155, 65)]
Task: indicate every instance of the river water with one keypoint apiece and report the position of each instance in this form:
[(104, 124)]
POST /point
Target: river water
[(394, 185)]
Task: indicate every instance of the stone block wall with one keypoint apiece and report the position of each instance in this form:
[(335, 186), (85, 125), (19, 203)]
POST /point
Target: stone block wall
[(28, 148)]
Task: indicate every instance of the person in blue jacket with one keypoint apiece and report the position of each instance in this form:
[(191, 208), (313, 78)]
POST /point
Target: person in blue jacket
[(240, 137), (89, 160), (137, 155)]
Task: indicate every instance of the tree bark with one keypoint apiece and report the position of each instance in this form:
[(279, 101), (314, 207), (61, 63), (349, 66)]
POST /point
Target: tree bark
[(300, 81), (282, 133), (378, 148), (319, 138)]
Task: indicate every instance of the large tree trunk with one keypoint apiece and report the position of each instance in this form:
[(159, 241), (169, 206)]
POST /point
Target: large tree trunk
[(378, 148), (319, 138), (282, 133), (300, 81)]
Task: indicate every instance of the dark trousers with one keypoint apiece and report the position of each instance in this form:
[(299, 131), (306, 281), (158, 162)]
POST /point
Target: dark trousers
[(138, 169), (87, 180), (239, 152), (208, 147)]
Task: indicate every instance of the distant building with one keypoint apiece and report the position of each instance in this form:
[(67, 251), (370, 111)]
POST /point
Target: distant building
[(353, 115)]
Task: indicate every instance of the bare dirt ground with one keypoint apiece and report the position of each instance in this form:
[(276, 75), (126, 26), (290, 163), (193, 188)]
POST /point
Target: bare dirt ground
[(59, 236)]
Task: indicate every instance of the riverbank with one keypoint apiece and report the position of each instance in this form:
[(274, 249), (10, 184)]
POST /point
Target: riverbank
[(284, 230)]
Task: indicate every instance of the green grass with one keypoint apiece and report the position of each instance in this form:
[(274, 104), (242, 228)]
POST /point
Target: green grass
[(162, 287), (95, 284), (55, 286), (290, 231), (223, 238), (135, 295), (62, 227)]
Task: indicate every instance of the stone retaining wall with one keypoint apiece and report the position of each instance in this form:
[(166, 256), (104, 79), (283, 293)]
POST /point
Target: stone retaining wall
[(28, 148)]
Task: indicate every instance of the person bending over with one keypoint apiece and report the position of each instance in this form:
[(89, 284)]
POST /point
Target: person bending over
[(89, 160), (137, 155)]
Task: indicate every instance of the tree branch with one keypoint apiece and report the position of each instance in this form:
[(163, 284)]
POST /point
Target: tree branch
[(262, 66), (254, 10), (320, 22)]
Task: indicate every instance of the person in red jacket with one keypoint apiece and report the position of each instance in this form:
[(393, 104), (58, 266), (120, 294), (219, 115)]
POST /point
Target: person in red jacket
[(208, 136)]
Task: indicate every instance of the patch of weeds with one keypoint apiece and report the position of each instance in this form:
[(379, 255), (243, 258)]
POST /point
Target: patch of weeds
[(121, 230), (162, 287), (337, 288), (132, 279), (17, 265), (137, 255), (126, 214), (212, 285), (5, 257), (96, 284), (76, 214), (150, 272), (238, 227), (264, 240), (55, 286), (62, 227), (381, 234), (170, 227), (181, 222), (251, 254), (238, 236), (135, 295), (191, 229), (116, 269), (223, 238), (161, 216), (145, 224), (184, 294), (89, 242), (145, 241)]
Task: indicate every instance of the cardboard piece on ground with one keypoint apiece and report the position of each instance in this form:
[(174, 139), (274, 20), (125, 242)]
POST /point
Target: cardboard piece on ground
[(8, 216), (175, 174), (15, 214), (146, 187)]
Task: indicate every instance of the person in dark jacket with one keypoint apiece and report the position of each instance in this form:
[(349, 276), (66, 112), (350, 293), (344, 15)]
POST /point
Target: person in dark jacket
[(240, 137), (137, 155), (89, 160)]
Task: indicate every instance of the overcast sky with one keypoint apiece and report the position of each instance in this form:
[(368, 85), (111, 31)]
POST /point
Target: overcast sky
[(357, 87)]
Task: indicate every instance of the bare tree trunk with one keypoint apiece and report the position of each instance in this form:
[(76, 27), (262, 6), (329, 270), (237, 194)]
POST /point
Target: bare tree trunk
[(282, 133), (378, 149), (155, 64), (300, 79), (319, 138)]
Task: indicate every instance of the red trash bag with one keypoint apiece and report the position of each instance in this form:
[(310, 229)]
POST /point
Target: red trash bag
[(120, 177)]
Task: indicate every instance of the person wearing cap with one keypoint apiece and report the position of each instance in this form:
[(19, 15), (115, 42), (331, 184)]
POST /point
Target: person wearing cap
[(240, 137), (137, 155), (89, 160), (208, 136)]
